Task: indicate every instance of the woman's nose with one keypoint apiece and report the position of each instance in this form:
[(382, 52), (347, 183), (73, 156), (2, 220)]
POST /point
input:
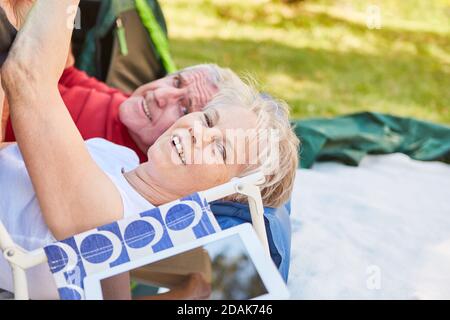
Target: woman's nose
[(204, 137)]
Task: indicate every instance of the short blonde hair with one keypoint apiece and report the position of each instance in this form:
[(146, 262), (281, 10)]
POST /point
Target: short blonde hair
[(278, 160)]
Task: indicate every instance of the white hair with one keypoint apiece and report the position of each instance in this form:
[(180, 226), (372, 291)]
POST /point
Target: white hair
[(277, 154), (218, 76)]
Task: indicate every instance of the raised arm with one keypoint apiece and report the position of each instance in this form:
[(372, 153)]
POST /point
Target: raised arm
[(73, 192)]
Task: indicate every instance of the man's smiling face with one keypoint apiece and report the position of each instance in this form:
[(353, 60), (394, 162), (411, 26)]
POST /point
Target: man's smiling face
[(154, 107)]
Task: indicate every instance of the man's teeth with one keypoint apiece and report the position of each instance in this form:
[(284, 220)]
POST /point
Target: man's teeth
[(146, 111), (176, 141)]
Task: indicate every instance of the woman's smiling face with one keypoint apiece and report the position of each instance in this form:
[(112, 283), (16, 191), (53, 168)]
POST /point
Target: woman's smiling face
[(194, 153), (154, 107)]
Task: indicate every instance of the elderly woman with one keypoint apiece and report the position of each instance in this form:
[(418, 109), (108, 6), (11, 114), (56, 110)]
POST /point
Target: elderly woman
[(81, 185)]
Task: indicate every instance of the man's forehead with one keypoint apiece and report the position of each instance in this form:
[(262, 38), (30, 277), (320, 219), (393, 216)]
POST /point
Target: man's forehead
[(201, 87), (196, 74)]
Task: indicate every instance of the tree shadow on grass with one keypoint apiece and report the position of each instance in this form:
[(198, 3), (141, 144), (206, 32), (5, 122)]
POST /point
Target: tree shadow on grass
[(420, 39), (308, 20)]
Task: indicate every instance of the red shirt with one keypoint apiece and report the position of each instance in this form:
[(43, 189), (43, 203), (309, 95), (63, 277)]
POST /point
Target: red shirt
[(94, 108)]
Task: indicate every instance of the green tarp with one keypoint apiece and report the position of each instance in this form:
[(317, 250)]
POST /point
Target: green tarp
[(348, 139)]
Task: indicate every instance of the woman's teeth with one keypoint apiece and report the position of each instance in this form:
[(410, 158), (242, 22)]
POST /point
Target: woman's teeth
[(177, 143), (146, 110)]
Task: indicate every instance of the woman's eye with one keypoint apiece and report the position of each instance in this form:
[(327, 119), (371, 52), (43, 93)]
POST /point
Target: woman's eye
[(222, 151), (184, 111)]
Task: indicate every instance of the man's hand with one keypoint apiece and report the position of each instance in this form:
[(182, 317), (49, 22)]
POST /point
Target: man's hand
[(16, 10)]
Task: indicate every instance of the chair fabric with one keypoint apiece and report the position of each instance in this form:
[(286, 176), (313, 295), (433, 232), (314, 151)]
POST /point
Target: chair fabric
[(127, 240)]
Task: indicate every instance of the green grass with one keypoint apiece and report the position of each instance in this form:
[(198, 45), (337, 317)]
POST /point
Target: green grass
[(320, 56)]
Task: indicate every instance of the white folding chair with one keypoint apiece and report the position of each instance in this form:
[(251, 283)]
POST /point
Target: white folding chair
[(20, 260)]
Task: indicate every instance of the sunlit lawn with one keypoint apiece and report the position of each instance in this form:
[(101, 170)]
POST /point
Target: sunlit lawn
[(320, 56)]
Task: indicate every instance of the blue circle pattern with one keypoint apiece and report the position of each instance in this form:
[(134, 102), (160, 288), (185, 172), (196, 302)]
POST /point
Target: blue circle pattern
[(179, 217), (90, 248), (62, 260), (138, 234)]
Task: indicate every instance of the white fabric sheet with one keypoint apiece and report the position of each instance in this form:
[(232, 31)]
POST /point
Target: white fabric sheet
[(377, 231)]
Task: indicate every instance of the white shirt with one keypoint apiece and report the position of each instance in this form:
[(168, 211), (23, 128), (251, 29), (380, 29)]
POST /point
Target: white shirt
[(21, 215)]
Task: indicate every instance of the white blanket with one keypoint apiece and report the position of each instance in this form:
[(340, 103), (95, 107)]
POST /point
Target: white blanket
[(377, 231)]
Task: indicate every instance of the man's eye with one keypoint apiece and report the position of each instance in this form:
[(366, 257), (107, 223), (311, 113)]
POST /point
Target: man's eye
[(184, 111), (177, 82)]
